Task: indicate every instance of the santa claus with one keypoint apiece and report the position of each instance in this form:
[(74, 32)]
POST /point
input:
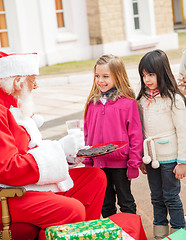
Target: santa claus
[(55, 195)]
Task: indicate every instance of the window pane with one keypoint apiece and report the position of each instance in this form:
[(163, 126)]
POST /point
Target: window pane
[(4, 40), (59, 5), (1, 5), (60, 20), (2, 21), (136, 23), (135, 8)]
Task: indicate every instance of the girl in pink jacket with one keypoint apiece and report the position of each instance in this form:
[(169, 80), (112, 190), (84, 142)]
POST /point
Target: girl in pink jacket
[(111, 114)]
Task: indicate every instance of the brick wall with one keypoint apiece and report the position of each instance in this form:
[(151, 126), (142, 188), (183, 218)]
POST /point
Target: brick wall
[(106, 22), (163, 16)]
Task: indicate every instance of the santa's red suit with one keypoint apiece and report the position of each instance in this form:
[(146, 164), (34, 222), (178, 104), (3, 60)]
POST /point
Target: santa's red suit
[(55, 195)]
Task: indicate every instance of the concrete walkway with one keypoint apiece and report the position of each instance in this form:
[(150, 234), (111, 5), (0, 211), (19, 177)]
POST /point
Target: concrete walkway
[(62, 97)]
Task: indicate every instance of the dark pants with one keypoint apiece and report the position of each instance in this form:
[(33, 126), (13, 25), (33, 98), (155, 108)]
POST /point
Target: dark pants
[(165, 189), (117, 185)]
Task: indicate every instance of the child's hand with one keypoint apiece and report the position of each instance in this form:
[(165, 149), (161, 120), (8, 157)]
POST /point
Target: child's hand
[(127, 175), (180, 171), (143, 168), (182, 79), (182, 83)]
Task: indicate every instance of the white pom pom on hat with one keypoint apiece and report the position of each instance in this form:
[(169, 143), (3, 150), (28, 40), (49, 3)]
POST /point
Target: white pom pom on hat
[(18, 64)]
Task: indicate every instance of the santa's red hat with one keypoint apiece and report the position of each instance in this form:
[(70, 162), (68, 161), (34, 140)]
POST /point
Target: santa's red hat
[(18, 64)]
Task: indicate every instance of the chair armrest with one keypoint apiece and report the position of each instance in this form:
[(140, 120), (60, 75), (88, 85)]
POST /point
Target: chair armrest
[(6, 219), (12, 192)]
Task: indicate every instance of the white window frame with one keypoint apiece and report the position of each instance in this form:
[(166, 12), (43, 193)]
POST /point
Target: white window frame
[(146, 35), (61, 11), (66, 33), (136, 16)]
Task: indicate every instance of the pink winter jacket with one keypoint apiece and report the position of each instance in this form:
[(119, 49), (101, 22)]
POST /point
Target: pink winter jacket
[(115, 121)]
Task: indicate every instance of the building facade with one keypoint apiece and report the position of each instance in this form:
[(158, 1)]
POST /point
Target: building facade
[(74, 30)]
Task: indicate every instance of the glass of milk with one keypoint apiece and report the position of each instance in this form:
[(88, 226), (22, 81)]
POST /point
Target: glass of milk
[(73, 126)]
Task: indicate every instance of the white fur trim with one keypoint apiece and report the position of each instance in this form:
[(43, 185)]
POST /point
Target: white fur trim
[(29, 125), (19, 64), (65, 185), (59, 187), (51, 160), (50, 157)]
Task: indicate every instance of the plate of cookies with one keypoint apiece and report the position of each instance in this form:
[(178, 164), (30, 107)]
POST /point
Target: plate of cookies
[(100, 149)]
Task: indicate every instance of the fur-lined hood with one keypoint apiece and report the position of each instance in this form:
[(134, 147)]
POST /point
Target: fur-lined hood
[(112, 96)]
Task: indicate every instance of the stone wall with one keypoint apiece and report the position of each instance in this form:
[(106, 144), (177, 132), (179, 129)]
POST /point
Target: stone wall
[(106, 22), (163, 16)]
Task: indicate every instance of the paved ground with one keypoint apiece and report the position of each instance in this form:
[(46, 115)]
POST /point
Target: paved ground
[(62, 97)]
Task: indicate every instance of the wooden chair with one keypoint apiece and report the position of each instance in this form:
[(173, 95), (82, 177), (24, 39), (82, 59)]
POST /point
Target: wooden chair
[(8, 231)]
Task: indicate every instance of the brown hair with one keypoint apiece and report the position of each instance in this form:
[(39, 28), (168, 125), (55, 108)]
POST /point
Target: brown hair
[(119, 74)]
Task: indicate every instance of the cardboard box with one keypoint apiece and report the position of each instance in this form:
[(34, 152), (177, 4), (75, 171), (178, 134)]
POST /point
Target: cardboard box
[(96, 229), (178, 235)]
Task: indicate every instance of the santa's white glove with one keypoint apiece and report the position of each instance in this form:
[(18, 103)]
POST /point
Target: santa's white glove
[(72, 143)]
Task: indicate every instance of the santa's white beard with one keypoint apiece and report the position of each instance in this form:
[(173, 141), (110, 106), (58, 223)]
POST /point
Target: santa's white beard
[(25, 102)]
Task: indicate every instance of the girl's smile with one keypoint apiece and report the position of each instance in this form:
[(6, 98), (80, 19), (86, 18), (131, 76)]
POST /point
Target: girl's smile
[(103, 78)]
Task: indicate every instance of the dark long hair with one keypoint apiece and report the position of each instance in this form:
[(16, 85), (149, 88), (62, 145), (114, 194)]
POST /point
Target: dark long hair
[(157, 62)]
